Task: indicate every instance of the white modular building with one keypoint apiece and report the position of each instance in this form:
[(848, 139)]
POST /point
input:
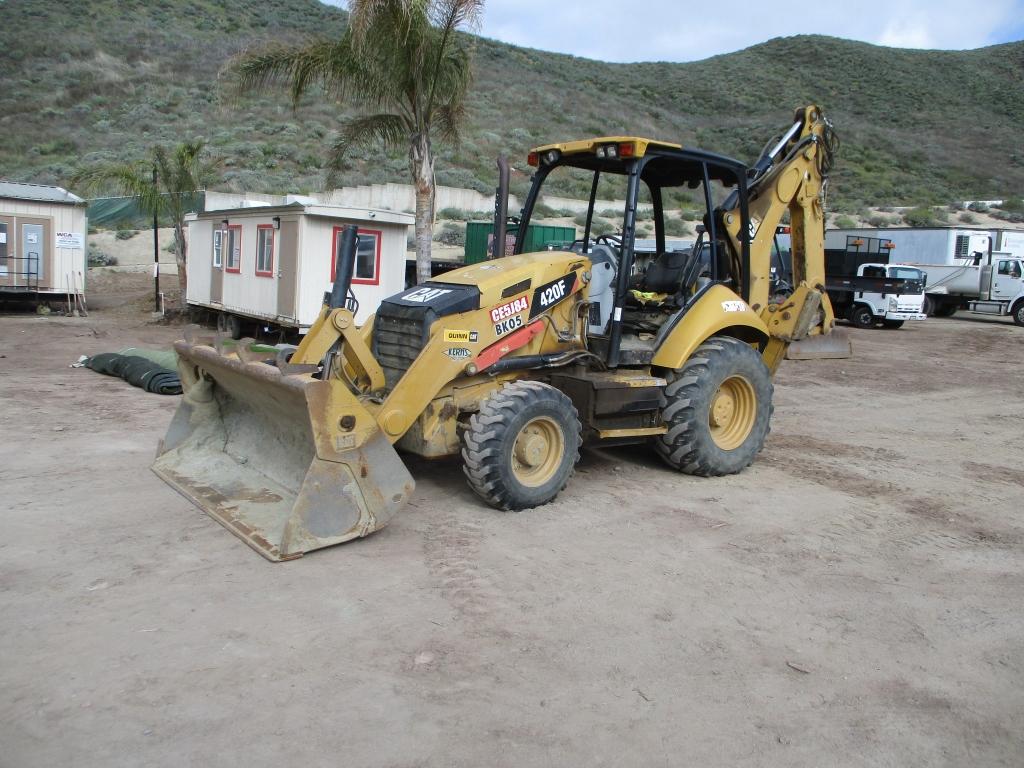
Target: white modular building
[(272, 264), (43, 233)]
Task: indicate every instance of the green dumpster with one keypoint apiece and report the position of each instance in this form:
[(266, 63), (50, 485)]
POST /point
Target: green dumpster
[(538, 237)]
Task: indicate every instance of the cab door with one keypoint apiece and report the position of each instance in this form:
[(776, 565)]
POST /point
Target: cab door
[(1006, 282)]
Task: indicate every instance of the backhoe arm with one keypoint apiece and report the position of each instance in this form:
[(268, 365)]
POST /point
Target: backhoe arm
[(790, 176)]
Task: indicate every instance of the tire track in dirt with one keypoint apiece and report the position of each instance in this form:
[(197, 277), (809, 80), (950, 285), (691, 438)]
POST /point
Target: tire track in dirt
[(894, 511)]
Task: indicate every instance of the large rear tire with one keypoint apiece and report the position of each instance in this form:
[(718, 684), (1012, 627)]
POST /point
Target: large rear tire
[(522, 446), (945, 309), (717, 408), (861, 316)]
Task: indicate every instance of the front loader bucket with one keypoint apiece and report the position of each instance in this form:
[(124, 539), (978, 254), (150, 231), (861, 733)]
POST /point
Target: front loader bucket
[(250, 445), (829, 346)]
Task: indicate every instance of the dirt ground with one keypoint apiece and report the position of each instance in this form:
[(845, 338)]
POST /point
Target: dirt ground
[(853, 599)]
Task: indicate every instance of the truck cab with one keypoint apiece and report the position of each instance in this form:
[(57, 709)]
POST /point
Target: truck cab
[(1005, 295), (868, 308)]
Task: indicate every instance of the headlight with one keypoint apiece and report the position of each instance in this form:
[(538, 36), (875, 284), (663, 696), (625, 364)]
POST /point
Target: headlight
[(893, 304)]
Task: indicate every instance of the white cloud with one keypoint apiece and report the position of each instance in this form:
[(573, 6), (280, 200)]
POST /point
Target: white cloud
[(653, 30)]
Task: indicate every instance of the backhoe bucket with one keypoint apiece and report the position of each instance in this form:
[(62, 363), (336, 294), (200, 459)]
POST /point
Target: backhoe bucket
[(834, 345), (250, 445)]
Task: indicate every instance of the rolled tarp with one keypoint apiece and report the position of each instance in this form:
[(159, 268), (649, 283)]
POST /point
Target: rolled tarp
[(165, 357), (137, 371)]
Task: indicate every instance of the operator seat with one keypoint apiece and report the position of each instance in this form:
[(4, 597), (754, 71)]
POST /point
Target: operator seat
[(665, 273)]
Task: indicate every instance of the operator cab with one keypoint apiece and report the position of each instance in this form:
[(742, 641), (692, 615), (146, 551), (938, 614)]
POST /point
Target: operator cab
[(655, 250)]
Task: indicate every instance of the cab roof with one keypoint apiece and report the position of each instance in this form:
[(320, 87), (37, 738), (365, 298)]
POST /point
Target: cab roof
[(590, 145)]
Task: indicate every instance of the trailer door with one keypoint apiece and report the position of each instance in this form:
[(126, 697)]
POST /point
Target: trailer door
[(6, 249)]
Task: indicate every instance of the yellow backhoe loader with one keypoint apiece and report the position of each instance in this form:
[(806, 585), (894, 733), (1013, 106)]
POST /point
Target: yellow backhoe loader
[(515, 362)]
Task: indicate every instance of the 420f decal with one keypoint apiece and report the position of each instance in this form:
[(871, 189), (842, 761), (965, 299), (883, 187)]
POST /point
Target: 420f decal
[(550, 294)]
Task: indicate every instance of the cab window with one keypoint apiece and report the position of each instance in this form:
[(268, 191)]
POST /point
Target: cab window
[(1009, 268)]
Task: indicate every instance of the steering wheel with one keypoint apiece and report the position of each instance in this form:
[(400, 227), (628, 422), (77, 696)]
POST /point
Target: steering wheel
[(613, 240)]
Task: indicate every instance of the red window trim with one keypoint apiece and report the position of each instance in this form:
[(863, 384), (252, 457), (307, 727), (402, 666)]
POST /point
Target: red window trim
[(376, 267), (227, 256), (273, 239)]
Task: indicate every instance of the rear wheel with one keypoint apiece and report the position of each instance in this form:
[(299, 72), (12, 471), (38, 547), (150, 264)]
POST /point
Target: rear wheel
[(521, 448), (717, 408), (230, 324), (1018, 313), (929, 305), (894, 324), (861, 316), (945, 309)]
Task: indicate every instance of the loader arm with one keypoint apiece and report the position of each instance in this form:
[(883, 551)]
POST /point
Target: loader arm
[(790, 176)]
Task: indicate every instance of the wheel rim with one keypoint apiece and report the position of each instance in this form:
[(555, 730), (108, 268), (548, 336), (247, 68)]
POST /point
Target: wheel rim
[(732, 413), (537, 451)]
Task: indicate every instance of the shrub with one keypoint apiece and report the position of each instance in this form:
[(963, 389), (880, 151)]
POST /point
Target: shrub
[(451, 234), (126, 234), (846, 222), (879, 222), (978, 207), (454, 214), (676, 228), (922, 216), (98, 258), (601, 227), (1013, 204), (968, 218)]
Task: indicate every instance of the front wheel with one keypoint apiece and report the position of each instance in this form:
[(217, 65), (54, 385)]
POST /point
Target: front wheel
[(521, 447), (717, 408), (894, 324), (1018, 313)]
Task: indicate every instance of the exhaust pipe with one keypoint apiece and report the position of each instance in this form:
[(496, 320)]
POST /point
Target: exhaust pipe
[(500, 209)]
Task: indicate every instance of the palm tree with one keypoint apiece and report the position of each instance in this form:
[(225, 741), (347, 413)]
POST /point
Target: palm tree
[(402, 63), (164, 184)]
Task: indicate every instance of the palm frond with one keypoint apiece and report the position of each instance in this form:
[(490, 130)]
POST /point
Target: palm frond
[(391, 130), (297, 67)]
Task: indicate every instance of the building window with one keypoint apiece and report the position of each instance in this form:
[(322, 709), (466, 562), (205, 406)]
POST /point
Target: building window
[(234, 262), (265, 250), (367, 269), (218, 254)]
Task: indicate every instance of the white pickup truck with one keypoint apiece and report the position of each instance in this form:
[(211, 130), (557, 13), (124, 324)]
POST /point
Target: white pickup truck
[(995, 287)]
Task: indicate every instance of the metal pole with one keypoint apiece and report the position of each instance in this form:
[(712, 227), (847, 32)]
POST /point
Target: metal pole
[(156, 250)]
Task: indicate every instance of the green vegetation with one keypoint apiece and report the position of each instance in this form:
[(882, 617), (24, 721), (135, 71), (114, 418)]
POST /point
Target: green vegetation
[(846, 222), (920, 217), (126, 234), (104, 80)]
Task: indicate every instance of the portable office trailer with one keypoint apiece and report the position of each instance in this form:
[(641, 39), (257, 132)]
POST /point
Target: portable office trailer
[(42, 240), (936, 245), (272, 264), (1009, 241)]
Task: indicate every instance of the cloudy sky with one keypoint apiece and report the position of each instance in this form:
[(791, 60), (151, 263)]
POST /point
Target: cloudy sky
[(667, 30)]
